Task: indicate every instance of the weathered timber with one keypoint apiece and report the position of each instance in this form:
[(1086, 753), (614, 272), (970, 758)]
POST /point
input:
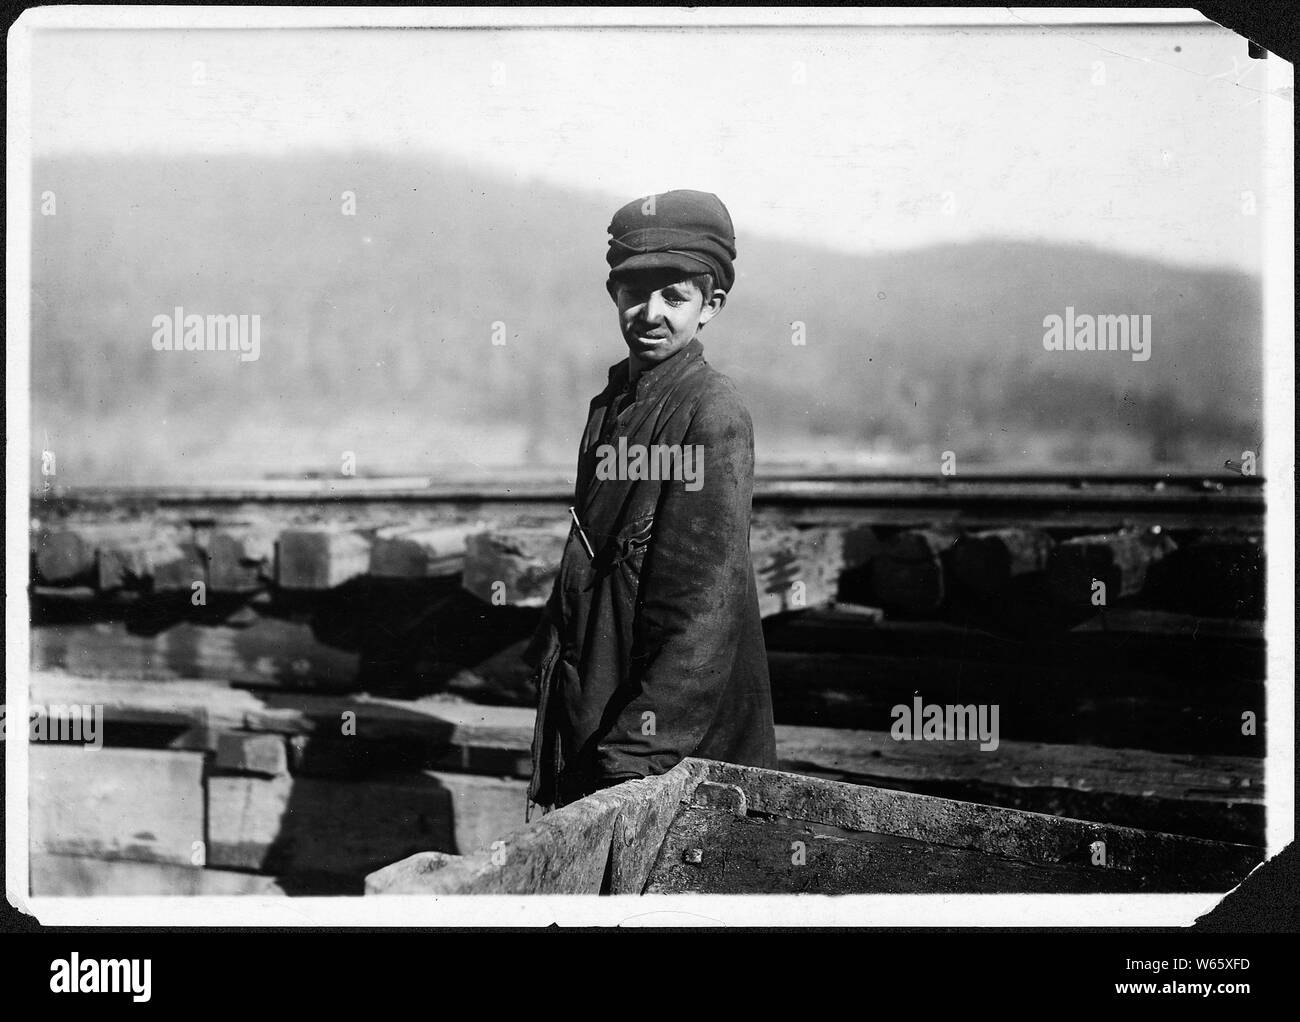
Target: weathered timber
[(286, 825), (299, 826), (712, 852), (483, 809), (1216, 797), (65, 555), (401, 552), (1213, 795), (795, 568), (271, 651), (455, 734), (320, 558), (928, 842), (513, 566), (1120, 561), (154, 564), (569, 851), (137, 804), (251, 753), (241, 557), (986, 562), (1127, 639), (1055, 703), (641, 827), (80, 876), (1182, 863), (908, 574)]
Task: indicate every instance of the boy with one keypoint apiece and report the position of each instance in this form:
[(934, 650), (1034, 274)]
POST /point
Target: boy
[(651, 646)]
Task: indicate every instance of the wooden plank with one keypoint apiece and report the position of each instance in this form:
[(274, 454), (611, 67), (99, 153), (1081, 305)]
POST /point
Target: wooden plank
[(483, 809), (241, 556), (1060, 702), (795, 568), (1215, 797), (66, 554), (640, 829), (153, 564), (271, 651), (1007, 832), (455, 736), (251, 753), (137, 804), (289, 826), (987, 562), (908, 574), (444, 725), (1120, 560), (711, 852), (517, 566), (78, 876), (316, 558), (567, 851), (402, 552)]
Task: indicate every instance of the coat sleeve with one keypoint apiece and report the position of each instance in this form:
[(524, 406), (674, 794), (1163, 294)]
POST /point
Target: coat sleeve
[(692, 598)]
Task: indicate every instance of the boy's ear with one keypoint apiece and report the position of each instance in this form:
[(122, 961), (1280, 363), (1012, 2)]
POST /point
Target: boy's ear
[(611, 286), (713, 306)]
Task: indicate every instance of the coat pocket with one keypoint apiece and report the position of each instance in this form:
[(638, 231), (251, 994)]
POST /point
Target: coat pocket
[(632, 543)]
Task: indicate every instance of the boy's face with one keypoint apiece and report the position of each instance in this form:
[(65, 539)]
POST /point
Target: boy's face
[(659, 312)]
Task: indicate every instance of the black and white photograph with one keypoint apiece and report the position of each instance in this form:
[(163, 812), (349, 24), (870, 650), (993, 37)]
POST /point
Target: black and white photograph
[(666, 466)]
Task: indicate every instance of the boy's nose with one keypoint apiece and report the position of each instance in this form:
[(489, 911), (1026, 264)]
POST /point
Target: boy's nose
[(654, 308)]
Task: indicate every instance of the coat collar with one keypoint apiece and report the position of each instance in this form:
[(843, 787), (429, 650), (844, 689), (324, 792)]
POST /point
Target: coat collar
[(653, 379)]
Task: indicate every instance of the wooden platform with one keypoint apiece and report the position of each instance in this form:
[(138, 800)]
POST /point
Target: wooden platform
[(709, 827)]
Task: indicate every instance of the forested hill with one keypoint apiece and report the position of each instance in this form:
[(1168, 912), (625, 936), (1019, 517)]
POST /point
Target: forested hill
[(377, 332)]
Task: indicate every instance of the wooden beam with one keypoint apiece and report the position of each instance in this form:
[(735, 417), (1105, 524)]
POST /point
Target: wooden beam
[(568, 851), (271, 652), (514, 566), (285, 825), (1006, 832), (153, 564), (139, 804), (241, 557), (81, 876), (987, 562), (320, 558), (1119, 560), (908, 574), (1219, 792), (402, 552), (65, 555)]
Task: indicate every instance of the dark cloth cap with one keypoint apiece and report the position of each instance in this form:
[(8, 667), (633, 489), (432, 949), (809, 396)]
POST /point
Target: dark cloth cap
[(681, 230)]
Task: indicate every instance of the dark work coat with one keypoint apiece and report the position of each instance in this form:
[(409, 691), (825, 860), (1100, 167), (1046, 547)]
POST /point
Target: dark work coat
[(653, 650)]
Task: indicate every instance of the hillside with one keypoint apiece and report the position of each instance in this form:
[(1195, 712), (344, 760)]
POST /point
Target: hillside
[(376, 333)]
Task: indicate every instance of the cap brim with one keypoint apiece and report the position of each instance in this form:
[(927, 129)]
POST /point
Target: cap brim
[(660, 261)]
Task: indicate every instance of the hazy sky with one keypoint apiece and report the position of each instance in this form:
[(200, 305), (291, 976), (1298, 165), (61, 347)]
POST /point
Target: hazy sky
[(1140, 139)]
